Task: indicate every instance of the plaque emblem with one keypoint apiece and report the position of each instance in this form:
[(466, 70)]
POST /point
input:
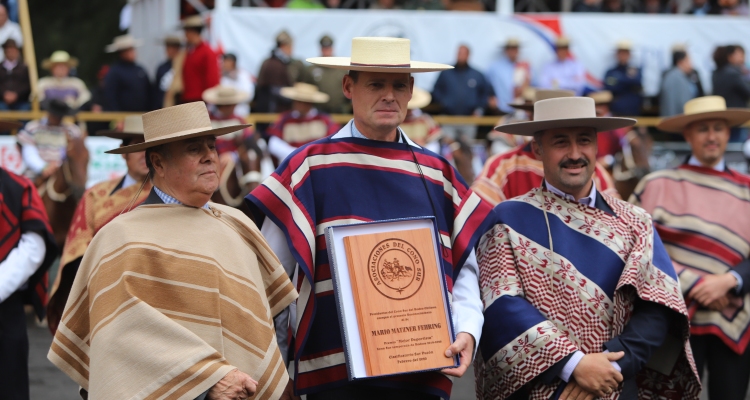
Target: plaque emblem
[(396, 269)]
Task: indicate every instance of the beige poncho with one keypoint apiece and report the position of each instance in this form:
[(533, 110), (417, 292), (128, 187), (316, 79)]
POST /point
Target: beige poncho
[(169, 299)]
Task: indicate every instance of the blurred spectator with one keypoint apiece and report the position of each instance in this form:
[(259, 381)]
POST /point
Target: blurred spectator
[(463, 91), (305, 4), (126, 86), (328, 81), (97, 102), (703, 7), (418, 125), (200, 70), (608, 143), (303, 124), (384, 5), (9, 29), (677, 87), (61, 86), (730, 80), (624, 81), (508, 76), (426, 4), (165, 72), (279, 70), (588, 6), (233, 76), (613, 6), (14, 79), (44, 142), (565, 72), (654, 7), (733, 7)]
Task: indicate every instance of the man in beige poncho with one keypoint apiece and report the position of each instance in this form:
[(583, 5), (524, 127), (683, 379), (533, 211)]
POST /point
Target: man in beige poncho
[(175, 299)]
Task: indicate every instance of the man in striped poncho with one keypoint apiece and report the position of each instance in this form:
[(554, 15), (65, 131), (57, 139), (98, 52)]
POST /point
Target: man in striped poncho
[(368, 171), (701, 210)]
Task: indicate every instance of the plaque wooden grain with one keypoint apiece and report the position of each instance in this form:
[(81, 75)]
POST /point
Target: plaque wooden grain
[(398, 295)]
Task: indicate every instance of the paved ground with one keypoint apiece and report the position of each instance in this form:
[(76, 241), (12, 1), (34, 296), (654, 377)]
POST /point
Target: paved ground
[(47, 382)]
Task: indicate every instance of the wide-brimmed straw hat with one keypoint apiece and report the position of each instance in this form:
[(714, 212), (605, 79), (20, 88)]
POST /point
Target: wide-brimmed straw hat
[(379, 54), (176, 123), (225, 96), (420, 98), (304, 92), (60, 57), (565, 112), (132, 128), (531, 96), (122, 42), (702, 108), (601, 97), (194, 21)]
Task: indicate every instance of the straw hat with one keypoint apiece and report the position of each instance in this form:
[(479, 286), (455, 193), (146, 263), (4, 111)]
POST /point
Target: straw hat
[(420, 98), (531, 96), (562, 42), (601, 97), (305, 92), (565, 112), (176, 123), (132, 128), (122, 42), (60, 57), (195, 21), (224, 96), (702, 108), (379, 54), (625, 45), (512, 42), (171, 40)]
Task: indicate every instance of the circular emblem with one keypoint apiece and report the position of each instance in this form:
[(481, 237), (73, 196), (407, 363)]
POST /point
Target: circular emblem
[(396, 269)]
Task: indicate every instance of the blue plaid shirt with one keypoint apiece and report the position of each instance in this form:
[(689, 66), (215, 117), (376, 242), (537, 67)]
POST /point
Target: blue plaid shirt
[(167, 199)]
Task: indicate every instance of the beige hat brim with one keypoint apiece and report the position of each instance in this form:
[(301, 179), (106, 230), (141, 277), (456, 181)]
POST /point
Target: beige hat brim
[(47, 63), (118, 134), (114, 48), (734, 117), (213, 98), (292, 94), (176, 137), (601, 124), (346, 63)]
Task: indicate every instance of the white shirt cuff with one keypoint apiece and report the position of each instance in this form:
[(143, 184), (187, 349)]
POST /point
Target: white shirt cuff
[(739, 280), (571, 365)]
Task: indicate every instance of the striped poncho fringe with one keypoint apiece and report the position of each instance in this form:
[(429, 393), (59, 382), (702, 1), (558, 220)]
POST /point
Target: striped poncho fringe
[(167, 300), (703, 216), (343, 180), (540, 307)]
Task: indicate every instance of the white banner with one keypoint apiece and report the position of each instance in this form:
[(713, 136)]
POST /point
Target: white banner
[(101, 166), (435, 36)]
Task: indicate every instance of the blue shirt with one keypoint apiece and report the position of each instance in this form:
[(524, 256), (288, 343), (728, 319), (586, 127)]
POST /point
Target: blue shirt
[(625, 84), (461, 91), (500, 76), (567, 75), (167, 199)]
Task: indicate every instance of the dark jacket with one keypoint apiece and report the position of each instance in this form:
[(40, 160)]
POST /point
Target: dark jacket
[(624, 82), (127, 88), (731, 85), (16, 80), (274, 74), (461, 91), (161, 70)]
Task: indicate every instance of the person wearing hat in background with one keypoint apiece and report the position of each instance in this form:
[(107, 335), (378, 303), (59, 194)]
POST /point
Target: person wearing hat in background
[(328, 81), (239, 146), (624, 82), (278, 71), (515, 172), (579, 278), (44, 142), (60, 85), (165, 72), (679, 84), (701, 209), (182, 290), (99, 205), (508, 76), (236, 77), (418, 125), (303, 124), (731, 81), (27, 249), (609, 143), (126, 86), (15, 87), (9, 29), (565, 72), (372, 172), (200, 69)]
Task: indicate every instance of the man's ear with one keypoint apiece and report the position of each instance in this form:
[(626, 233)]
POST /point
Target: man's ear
[(536, 148), (346, 84), (157, 162)]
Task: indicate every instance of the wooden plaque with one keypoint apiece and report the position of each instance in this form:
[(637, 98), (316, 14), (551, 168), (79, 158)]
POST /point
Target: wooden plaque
[(399, 298)]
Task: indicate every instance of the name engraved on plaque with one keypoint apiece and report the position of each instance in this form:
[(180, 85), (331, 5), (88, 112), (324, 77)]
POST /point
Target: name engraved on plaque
[(399, 300)]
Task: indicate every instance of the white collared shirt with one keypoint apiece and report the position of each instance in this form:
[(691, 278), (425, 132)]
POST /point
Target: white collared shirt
[(721, 166), (167, 199), (589, 200)]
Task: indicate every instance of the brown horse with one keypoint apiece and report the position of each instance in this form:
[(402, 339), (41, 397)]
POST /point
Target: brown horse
[(632, 163), (62, 190), (233, 181)]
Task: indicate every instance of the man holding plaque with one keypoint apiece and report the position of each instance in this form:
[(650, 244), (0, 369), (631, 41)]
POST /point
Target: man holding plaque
[(580, 297), (368, 171)]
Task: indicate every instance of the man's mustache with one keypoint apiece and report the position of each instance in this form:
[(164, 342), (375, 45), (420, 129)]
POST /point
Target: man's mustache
[(581, 162)]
